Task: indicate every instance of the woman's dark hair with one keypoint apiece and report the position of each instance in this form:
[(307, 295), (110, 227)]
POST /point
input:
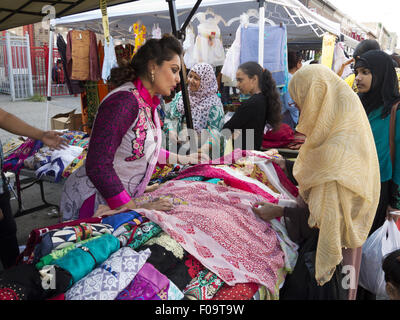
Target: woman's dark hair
[(268, 89), (294, 57), (391, 268), (159, 50)]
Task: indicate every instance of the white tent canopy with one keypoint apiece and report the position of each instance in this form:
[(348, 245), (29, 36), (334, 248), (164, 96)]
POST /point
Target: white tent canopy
[(302, 24)]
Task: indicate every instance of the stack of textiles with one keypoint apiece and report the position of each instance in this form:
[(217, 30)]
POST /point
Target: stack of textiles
[(210, 246), (11, 145), (33, 155)]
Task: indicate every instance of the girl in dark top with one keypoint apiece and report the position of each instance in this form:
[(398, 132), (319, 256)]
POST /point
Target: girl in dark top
[(263, 107), (378, 90)]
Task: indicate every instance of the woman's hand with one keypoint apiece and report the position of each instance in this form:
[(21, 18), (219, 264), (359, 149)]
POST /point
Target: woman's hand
[(54, 140), (271, 152), (267, 211), (340, 71), (390, 215), (193, 158), (151, 188), (158, 204), (104, 210)]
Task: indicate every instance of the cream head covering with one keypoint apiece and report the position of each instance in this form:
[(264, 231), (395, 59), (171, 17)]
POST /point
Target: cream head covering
[(337, 168)]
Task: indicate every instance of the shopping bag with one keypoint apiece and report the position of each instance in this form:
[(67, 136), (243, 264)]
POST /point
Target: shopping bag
[(383, 241)]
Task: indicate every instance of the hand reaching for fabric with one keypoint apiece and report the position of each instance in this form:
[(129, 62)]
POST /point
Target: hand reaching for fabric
[(151, 188), (267, 211), (54, 140), (104, 210), (272, 152), (158, 204)]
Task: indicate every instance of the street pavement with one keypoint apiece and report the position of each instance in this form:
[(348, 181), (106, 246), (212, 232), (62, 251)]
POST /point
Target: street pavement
[(34, 113)]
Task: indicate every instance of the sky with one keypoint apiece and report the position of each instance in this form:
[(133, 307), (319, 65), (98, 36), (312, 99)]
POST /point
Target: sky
[(385, 11)]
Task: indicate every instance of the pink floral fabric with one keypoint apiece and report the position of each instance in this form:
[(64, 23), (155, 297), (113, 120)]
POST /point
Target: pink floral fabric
[(216, 225)]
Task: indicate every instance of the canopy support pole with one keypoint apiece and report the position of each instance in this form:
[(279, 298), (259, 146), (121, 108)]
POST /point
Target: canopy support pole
[(261, 23), (179, 34), (49, 71)]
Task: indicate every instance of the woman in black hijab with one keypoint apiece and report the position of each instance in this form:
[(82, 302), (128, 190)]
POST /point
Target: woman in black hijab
[(378, 90)]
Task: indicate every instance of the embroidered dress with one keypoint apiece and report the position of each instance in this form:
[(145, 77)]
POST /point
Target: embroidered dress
[(123, 151)]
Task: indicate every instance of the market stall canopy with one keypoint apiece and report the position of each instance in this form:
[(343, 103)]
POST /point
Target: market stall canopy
[(302, 24), (16, 13)]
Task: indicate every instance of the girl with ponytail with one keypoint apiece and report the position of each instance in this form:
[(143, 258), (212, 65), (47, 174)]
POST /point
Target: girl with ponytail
[(262, 108)]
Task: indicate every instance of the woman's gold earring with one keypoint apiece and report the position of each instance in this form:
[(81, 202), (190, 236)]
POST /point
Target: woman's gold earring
[(152, 76)]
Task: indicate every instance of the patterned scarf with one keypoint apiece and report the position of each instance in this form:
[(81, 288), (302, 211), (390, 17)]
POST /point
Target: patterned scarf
[(204, 98)]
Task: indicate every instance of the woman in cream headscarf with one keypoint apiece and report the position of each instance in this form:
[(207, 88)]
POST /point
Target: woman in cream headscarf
[(337, 172)]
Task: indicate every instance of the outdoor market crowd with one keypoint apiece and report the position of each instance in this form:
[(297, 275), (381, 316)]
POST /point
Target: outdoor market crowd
[(346, 172)]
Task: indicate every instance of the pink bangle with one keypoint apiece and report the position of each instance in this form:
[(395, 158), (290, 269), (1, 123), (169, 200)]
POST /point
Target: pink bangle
[(118, 200)]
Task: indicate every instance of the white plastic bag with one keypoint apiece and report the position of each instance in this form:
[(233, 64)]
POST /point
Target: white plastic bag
[(382, 242)]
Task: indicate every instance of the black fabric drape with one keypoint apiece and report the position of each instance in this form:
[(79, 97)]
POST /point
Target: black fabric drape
[(74, 86)]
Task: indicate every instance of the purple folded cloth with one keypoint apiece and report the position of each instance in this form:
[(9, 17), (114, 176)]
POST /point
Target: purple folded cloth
[(148, 284)]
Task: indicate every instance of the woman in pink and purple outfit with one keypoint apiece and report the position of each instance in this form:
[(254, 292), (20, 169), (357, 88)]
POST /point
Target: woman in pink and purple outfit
[(125, 143)]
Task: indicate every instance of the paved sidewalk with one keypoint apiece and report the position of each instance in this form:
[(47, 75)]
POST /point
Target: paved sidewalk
[(34, 113)]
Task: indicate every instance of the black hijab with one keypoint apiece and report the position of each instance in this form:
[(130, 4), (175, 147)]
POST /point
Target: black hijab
[(384, 87)]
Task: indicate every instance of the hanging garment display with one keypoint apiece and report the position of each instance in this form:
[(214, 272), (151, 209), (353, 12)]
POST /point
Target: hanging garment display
[(110, 59), (188, 48), (156, 31), (124, 52), (208, 46), (275, 50), (102, 88), (82, 56), (139, 31), (232, 60), (339, 58), (74, 86)]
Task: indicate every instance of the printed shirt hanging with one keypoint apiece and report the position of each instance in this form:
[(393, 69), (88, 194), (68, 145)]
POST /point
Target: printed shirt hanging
[(139, 31)]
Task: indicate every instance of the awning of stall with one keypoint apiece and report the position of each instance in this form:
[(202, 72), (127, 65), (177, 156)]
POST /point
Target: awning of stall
[(16, 13), (302, 24)]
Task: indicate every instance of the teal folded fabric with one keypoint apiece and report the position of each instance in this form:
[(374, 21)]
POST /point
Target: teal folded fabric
[(79, 262)]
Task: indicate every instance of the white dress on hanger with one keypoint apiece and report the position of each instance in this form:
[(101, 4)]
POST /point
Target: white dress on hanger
[(188, 48), (110, 59), (208, 46), (232, 60), (156, 32)]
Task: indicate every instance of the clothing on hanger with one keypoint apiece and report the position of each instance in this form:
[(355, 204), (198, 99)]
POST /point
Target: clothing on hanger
[(110, 59), (156, 31), (275, 50), (139, 31), (74, 86), (82, 56), (208, 45), (188, 47)]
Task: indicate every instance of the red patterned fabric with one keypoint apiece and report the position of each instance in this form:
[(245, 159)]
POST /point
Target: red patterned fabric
[(279, 138), (226, 237), (240, 291), (194, 266)]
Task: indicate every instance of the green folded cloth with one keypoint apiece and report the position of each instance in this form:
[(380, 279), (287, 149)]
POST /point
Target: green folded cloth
[(80, 262), (57, 254)]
